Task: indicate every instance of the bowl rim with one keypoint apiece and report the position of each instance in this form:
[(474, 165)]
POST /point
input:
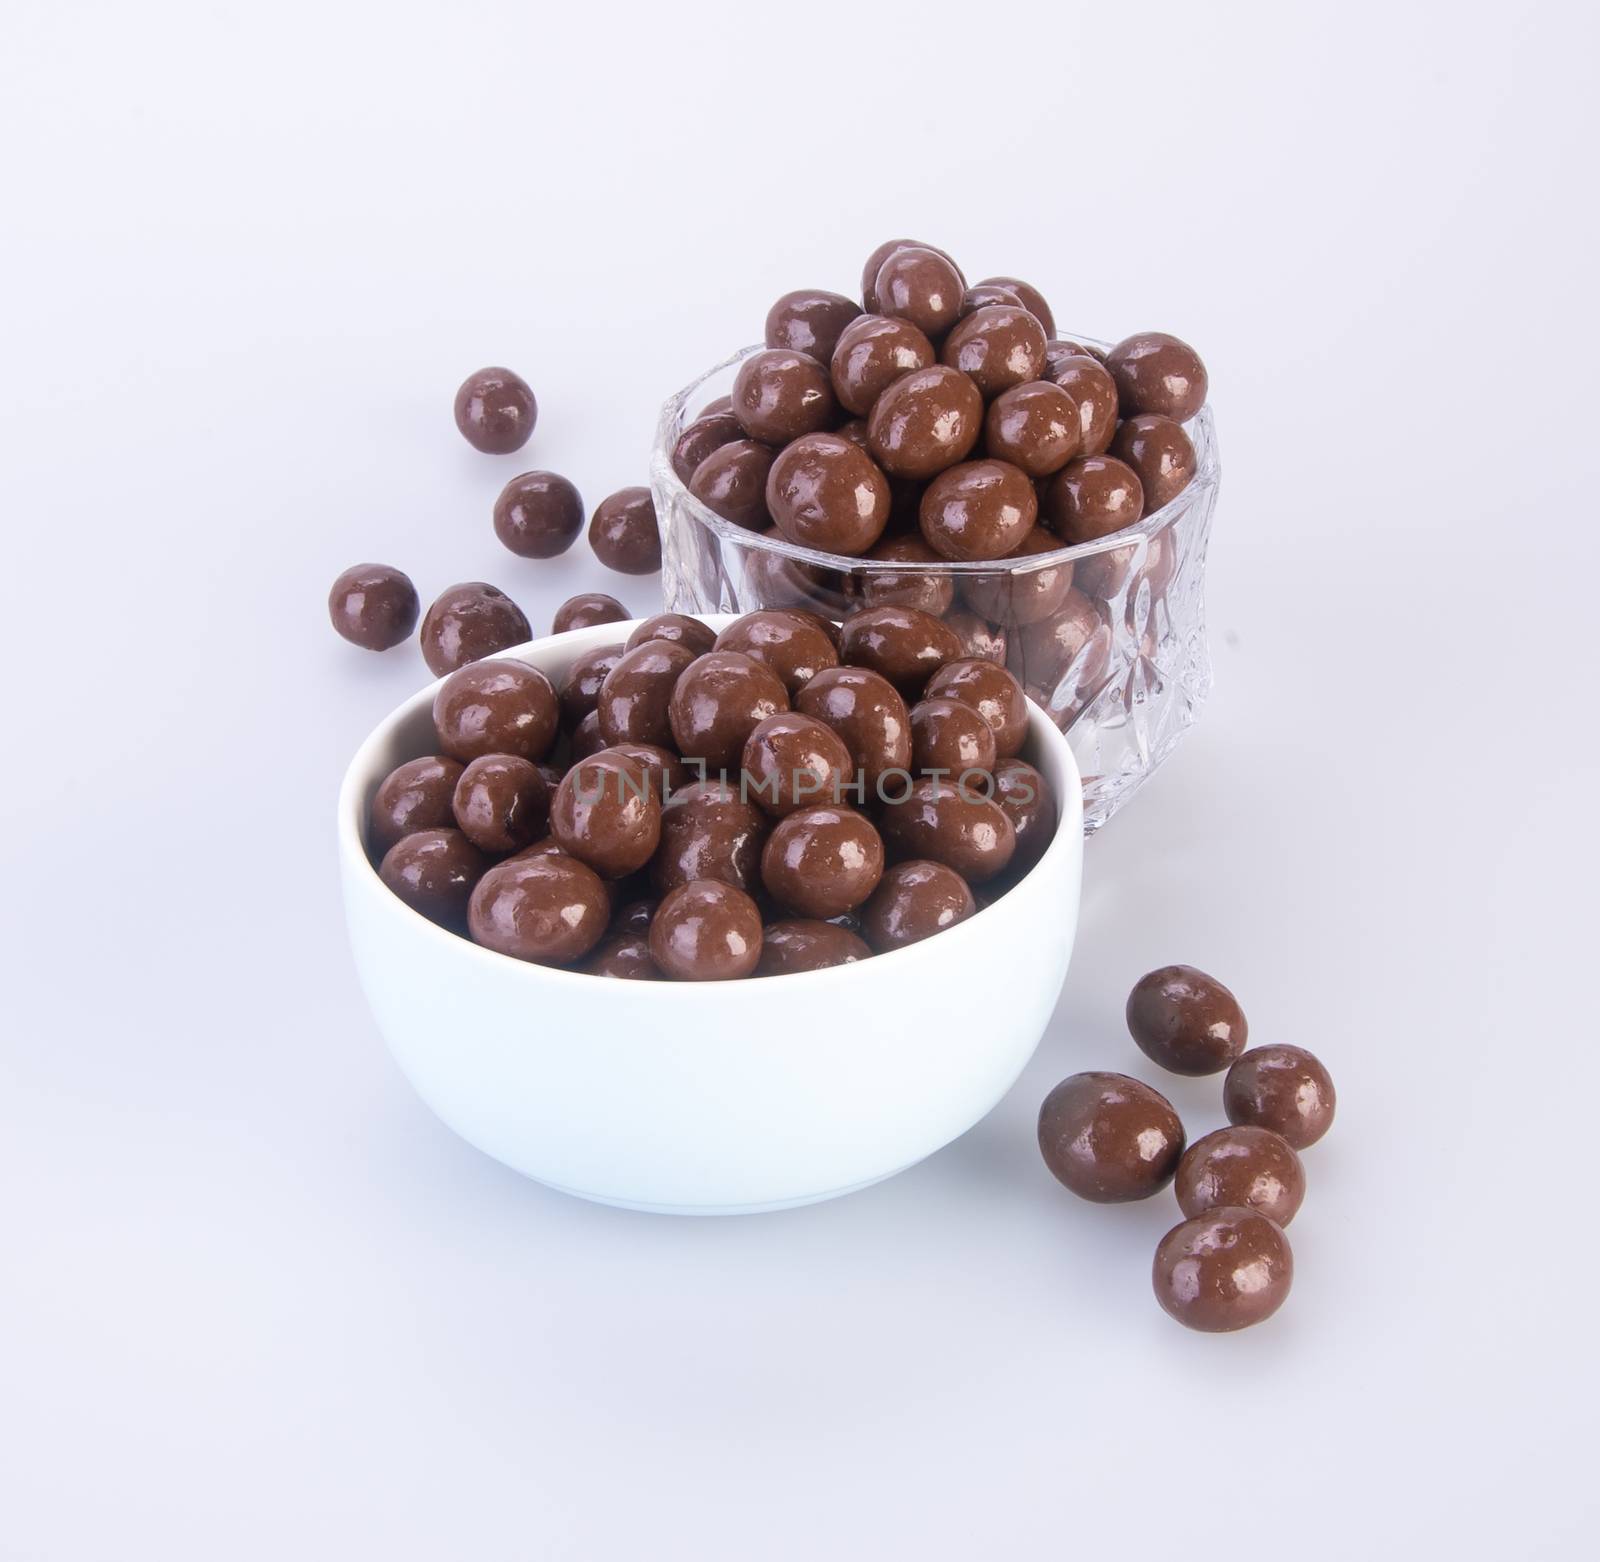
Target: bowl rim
[(363, 773), (670, 424)]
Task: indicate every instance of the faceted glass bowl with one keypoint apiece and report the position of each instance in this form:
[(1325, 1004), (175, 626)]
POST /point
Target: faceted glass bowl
[(1118, 658)]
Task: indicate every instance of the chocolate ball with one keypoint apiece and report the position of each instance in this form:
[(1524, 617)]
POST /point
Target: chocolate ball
[(823, 861), (778, 395), (433, 872), (1032, 299), (708, 831), (950, 738), (495, 411), (538, 515), (1076, 641), (633, 917), (1162, 455), (732, 482), (792, 644), (678, 627), (636, 697), (1186, 1021), (1022, 592), (996, 347), (1224, 1270), (925, 421), (810, 321), (496, 707), (541, 906), (718, 701), (825, 494), (706, 931), (776, 580), (1110, 1138), (605, 813), (867, 713), (624, 534), (978, 510), (374, 606), (871, 354), (982, 294), (1088, 385), (928, 591), (992, 692), (792, 761), (700, 438), (980, 640), (1282, 1088), (1157, 373), (921, 286), (913, 901), (414, 796), (467, 622), (1241, 1167), (797, 945), (856, 432), (940, 820), (869, 273), (1025, 797), (1092, 497), (1058, 352), (587, 739), (901, 644), (1035, 427), (501, 803), (580, 689), (586, 610), (625, 956), (664, 770)]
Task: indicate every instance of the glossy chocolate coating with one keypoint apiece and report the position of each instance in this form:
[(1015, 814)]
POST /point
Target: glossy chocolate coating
[(1110, 1138), (1025, 797), (869, 272), (542, 906), (1160, 452), (732, 482), (778, 395), (469, 621), (626, 956), (980, 640), (797, 945), (374, 606), (708, 831), (678, 627), (665, 770), (718, 702), (809, 321), (941, 820), (792, 761), (587, 739), (950, 738), (495, 411), (700, 438), (978, 510), (706, 931), (1223, 1270), (414, 796), (1241, 1167), (496, 707), (580, 688), (433, 872), (992, 692), (921, 286), (607, 814), (996, 347), (1158, 373), (636, 696), (502, 803), (823, 861), (856, 432), (1076, 639), (1017, 594), (778, 581), (981, 294), (792, 644), (925, 421), (871, 354), (1034, 427), (825, 493), (928, 591), (538, 515), (913, 901), (1087, 384), (1282, 1088), (868, 714), (586, 610), (901, 644), (1186, 1021), (1058, 352), (624, 534), (1092, 497), (1032, 299)]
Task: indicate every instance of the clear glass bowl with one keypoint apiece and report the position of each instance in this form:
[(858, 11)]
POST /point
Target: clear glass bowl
[(1122, 665)]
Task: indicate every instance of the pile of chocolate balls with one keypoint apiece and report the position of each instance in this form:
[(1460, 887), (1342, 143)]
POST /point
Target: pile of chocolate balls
[(1112, 1139)]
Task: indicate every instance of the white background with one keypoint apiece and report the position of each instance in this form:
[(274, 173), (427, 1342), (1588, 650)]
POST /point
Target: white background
[(258, 1303)]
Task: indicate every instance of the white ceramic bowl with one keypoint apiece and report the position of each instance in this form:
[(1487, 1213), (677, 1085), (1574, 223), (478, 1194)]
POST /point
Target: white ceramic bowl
[(710, 1097)]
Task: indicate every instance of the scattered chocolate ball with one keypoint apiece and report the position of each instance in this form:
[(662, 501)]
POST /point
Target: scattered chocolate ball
[(792, 760), (1021, 594), (869, 273), (709, 831), (1162, 455), (913, 901), (992, 692), (928, 591), (705, 435), (501, 803), (542, 906), (804, 945), (1091, 498), (810, 321), (706, 931), (678, 627), (1157, 373), (1110, 1138), (868, 714), (922, 286), (904, 646), (996, 347), (495, 411), (496, 707), (625, 956), (1035, 427), (606, 814), (778, 395), (1223, 1270), (374, 606), (623, 532), (580, 689), (822, 861), (635, 698), (978, 510), (925, 421), (586, 610), (940, 820), (1032, 299), (538, 515), (1086, 382), (433, 872), (1283, 1088), (1186, 1021), (792, 644), (871, 354), (824, 493), (732, 482), (468, 622), (1241, 1167), (950, 739), (414, 796), (718, 701)]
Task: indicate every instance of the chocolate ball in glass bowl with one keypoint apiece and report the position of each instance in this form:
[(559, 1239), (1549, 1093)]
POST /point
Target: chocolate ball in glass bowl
[(374, 606), (501, 803), (495, 411), (606, 813), (718, 701), (778, 581), (496, 707), (1034, 427), (925, 421), (996, 347), (927, 590), (538, 515), (467, 622), (921, 286), (941, 820), (871, 354), (950, 738), (706, 434), (792, 761), (1161, 453), (826, 494), (1075, 640), (580, 688), (1157, 373), (1186, 1021), (1092, 392), (802, 944), (874, 264), (706, 931), (982, 294), (635, 700), (1091, 498), (810, 320), (868, 714), (992, 692), (980, 640), (709, 831), (1283, 1088), (1108, 1138), (1017, 593), (433, 872), (978, 510), (901, 644), (732, 482), (1032, 299), (1226, 1269), (822, 861), (1241, 1167), (417, 795), (679, 627), (623, 532), (778, 395), (913, 901), (791, 643), (540, 906), (586, 610)]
